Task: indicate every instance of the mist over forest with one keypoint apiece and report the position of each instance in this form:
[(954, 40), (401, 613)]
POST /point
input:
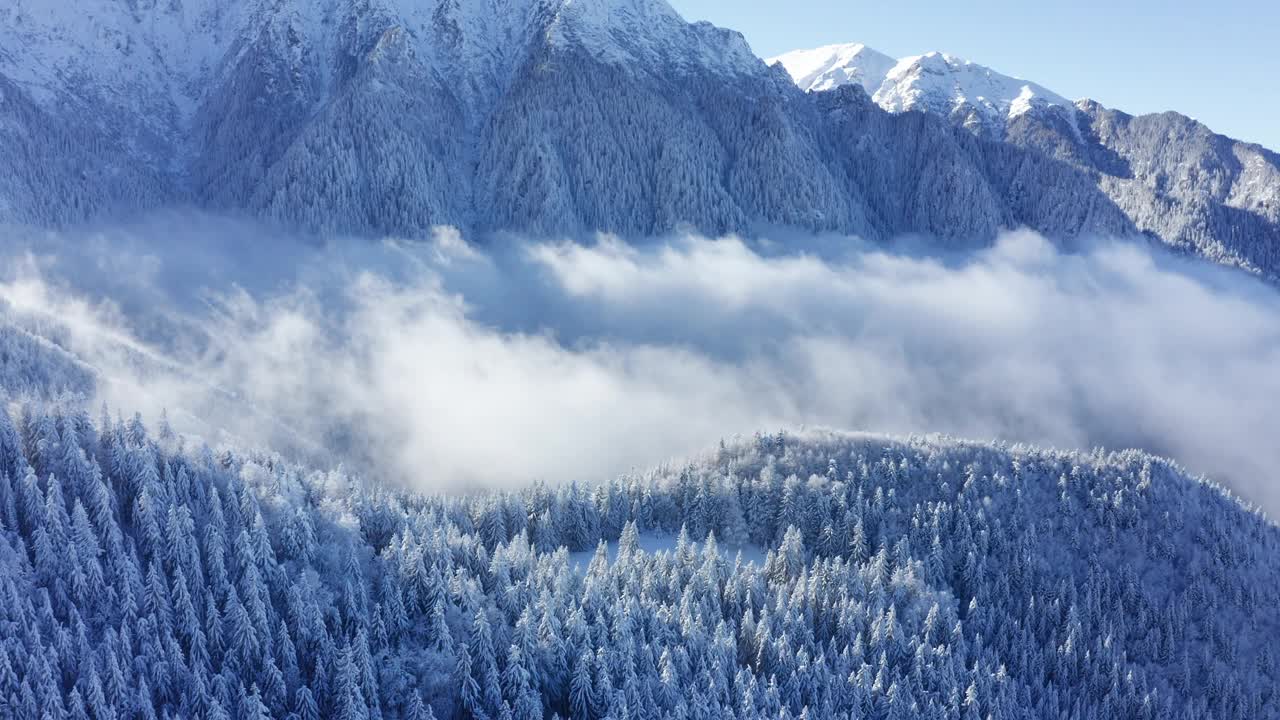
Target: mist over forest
[(447, 363)]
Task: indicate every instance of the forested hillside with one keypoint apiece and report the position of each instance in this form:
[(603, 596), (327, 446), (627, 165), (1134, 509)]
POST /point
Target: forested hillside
[(377, 117), (145, 577)]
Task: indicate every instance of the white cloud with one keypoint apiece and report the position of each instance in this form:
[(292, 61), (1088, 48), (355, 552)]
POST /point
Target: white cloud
[(448, 368)]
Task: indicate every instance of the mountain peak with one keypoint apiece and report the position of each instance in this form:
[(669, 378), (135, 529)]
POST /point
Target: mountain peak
[(830, 66), (975, 95)]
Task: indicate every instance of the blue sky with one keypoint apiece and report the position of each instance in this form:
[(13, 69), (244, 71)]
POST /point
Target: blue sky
[(1216, 61)]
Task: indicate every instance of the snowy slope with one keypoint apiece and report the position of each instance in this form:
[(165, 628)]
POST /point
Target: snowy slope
[(160, 58), (655, 543), (394, 116), (648, 36), (569, 116), (976, 96), (1172, 177), (152, 62), (831, 66)]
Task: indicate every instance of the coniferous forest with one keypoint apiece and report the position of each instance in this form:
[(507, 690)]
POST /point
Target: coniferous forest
[(925, 578)]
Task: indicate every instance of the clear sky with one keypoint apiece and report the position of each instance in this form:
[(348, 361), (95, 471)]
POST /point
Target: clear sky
[(1218, 62)]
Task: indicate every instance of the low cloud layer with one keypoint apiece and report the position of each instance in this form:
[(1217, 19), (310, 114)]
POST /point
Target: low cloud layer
[(444, 366)]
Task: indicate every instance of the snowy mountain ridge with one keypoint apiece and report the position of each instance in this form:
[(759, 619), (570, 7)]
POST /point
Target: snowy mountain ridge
[(373, 117), (830, 66), (172, 51), (1171, 176), (394, 116), (975, 96)]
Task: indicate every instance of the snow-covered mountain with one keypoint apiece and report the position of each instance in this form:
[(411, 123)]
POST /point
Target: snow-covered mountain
[(1171, 176), (973, 96), (831, 66), (553, 117), (549, 116)]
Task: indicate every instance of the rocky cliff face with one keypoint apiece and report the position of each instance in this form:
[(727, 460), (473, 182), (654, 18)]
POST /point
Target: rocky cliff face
[(1173, 177)]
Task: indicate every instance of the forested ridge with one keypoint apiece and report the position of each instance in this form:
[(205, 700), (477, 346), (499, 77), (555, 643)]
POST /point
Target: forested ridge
[(145, 576)]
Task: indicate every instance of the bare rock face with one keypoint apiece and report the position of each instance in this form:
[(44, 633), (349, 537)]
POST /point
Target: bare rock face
[(1173, 177)]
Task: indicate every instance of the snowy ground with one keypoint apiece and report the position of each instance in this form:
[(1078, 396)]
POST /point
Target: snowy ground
[(654, 543)]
